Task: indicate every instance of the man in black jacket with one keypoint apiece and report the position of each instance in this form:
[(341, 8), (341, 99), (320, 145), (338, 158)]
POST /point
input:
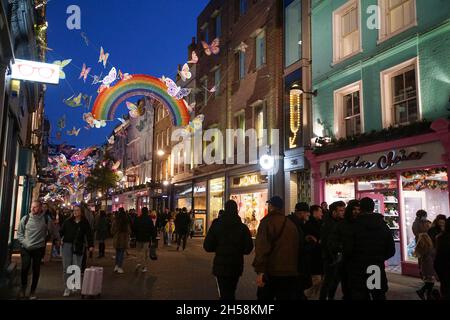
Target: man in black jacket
[(145, 232), (331, 262), (369, 244), (300, 218), (182, 224), (230, 239)]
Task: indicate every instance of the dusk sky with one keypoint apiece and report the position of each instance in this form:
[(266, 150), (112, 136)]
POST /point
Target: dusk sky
[(141, 36)]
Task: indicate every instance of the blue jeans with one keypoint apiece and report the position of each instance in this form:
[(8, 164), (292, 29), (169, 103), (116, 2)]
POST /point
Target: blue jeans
[(120, 254)]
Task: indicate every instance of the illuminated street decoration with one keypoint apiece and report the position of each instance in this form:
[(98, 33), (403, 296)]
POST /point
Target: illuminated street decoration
[(294, 115)]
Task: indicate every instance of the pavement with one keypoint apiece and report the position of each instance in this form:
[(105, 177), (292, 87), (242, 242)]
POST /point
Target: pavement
[(177, 275)]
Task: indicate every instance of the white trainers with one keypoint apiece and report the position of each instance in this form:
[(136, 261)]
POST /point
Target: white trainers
[(144, 270), (120, 270), (138, 266), (66, 293), (116, 268)]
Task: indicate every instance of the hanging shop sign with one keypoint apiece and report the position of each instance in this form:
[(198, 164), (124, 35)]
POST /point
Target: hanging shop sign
[(35, 71), (249, 180), (423, 155)]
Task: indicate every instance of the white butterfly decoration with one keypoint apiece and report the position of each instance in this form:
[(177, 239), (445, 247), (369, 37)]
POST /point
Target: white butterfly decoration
[(135, 111), (175, 91), (242, 47), (185, 73), (74, 132), (110, 78), (111, 140)]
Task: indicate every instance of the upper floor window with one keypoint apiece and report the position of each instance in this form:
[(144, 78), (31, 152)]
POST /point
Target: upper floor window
[(205, 91), (205, 32), (217, 81), (396, 17), (346, 38), (260, 49), (239, 122), (218, 25), (400, 94), (260, 122), (241, 65), (348, 111), (293, 32), (241, 7)]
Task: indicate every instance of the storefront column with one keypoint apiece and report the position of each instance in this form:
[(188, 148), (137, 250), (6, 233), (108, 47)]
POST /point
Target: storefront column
[(318, 184)]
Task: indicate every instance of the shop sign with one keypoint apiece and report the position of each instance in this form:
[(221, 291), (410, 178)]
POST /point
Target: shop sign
[(249, 180), (294, 163), (384, 162), (131, 179), (35, 71)]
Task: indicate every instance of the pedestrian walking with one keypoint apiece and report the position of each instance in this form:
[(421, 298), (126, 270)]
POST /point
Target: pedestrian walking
[(145, 231), (121, 230), (442, 261), (437, 227), (421, 224), (230, 240), (276, 254), (332, 263), (55, 237), (182, 223), (337, 239), (75, 233), (313, 251), (101, 232), (32, 234), (300, 217), (169, 231), (370, 244), (426, 254)]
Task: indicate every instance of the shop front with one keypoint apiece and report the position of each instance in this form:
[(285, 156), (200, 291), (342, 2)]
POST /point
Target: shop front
[(216, 192), (183, 195), (251, 194), (401, 176), (142, 200), (200, 202)]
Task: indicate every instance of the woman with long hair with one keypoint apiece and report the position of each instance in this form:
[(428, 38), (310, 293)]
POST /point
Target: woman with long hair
[(121, 230), (75, 232), (437, 227), (426, 253)]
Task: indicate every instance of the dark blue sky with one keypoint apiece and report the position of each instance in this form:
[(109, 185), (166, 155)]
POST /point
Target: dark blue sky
[(142, 36)]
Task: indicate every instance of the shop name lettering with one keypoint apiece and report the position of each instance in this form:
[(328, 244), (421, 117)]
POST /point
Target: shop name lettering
[(384, 162)]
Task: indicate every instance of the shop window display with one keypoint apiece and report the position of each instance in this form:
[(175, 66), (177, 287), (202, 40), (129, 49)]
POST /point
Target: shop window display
[(340, 190), (216, 194), (427, 190), (252, 208)]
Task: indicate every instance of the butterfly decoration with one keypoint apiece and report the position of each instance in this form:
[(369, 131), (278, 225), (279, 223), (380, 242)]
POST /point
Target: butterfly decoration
[(84, 72), (140, 126), (103, 57), (212, 90), (45, 48), (194, 58), (175, 91), (195, 124), (62, 122), (62, 64), (124, 76), (134, 110), (99, 123), (185, 73), (85, 38), (116, 165), (74, 101), (73, 132), (87, 100), (190, 107), (97, 79), (122, 121), (212, 48), (40, 4), (242, 47), (111, 140), (110, 78)]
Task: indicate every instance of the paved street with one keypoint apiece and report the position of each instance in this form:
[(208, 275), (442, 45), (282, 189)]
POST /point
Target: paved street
[(177, 276)]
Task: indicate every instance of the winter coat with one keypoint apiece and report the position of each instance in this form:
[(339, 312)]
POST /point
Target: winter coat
[(144, 229), (433, 232), (77, 234), (120, 239), (34, 234), (426, 265), (182, 223), (420, 226), (314, 249), (328, 229), (278, 258), (369, 243), (230, 239), (101, 228), (442, 260), (170, 227)]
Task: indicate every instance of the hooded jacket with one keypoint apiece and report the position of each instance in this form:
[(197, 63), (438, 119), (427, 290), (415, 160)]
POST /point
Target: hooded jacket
[(276, 257), (144, 228), (230, 239), (369, 243)]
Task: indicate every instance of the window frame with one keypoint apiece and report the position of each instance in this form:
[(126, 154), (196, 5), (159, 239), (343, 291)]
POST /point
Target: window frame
[(340, 128), (261, 105), (383, 19), (264, 53), (242, 61), (386, 91), (337, 31)]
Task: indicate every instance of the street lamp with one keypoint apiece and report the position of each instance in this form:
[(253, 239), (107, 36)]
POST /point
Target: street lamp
[(166, 183), (267, 162), (160, 153)]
